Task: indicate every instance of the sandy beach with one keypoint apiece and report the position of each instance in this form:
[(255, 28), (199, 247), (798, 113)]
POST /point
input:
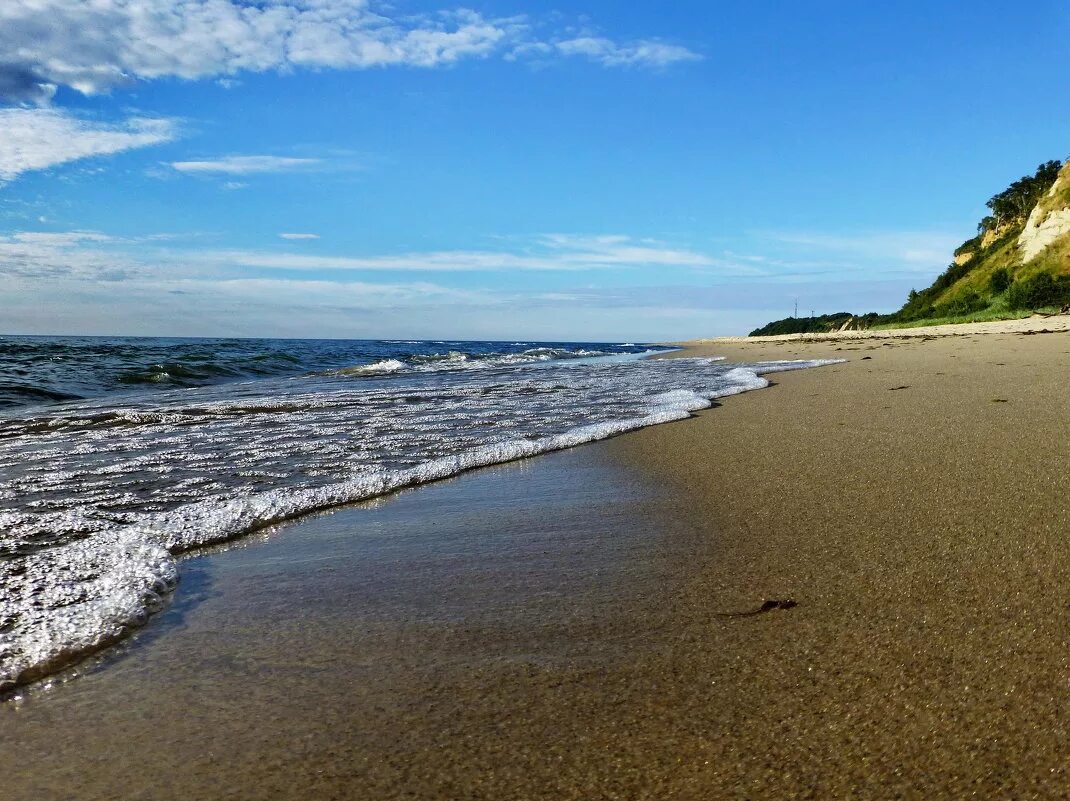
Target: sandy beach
[(575, 627), (370, 427)]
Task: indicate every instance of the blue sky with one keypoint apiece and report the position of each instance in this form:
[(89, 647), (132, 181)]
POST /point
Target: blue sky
[(505, 169)]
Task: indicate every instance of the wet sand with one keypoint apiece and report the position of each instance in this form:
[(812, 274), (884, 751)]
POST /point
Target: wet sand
[(564, 628), (381, 651)]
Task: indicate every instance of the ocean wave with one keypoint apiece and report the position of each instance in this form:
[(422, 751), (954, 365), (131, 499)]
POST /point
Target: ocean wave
[(95, 525), (461, 360), (23, 394), (43, 370), (378, 368)]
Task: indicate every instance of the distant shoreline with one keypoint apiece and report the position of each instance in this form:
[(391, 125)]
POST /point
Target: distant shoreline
[(1026, 325)]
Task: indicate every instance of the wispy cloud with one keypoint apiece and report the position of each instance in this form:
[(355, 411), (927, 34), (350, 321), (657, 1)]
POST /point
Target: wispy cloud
[(89, 255), (644, 53), (78, 255), (36, 139), (58, 238), (163, 280), (246, 165), (95, 47), (85, 276), (554, 252), (784, 257), (903, 250), (623, 250)]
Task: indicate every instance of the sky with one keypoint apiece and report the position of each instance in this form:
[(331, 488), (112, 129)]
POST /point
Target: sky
[(506, 169)]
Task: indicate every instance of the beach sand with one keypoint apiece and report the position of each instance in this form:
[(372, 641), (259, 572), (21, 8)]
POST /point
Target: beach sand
[(564, 628)]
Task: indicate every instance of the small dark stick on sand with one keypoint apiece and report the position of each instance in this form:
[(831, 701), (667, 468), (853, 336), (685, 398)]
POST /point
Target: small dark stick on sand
[(767, 606)]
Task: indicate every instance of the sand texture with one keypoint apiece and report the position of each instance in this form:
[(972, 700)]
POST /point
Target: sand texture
[(916, 505)]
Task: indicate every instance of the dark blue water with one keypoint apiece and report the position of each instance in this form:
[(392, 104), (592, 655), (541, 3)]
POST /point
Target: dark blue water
[(36, 370)]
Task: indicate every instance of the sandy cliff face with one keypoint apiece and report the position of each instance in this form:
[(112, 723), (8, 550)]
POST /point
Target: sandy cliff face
[(995, 234), (1049, 221)]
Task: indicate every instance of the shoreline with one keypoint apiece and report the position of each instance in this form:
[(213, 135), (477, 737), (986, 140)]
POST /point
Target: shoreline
[(913, 503), (1035, 324), (343, 494), (907, 502)]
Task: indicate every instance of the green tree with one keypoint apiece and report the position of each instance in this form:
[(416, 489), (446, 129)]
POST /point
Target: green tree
[(1016, 201), (1000, 280)]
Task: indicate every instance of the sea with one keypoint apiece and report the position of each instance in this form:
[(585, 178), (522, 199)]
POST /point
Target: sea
[(119, 454)]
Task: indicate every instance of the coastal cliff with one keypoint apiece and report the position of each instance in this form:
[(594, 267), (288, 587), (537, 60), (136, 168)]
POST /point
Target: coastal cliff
[(1018, 261), (1049, 221)]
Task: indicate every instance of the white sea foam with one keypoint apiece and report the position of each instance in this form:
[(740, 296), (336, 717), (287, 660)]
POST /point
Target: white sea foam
[(461, 360), (104, 496), (376, 368)]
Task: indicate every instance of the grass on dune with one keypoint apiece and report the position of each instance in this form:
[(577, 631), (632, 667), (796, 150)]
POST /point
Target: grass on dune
[(983, 316)]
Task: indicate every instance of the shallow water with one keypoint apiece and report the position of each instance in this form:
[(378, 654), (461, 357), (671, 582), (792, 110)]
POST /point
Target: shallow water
[(98, 495), (306, 660)]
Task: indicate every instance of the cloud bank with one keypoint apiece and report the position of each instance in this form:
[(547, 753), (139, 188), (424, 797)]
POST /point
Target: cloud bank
[(96, 46), (87, 276)]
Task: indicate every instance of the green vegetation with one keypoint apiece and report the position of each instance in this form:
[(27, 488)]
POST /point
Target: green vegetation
[(1043, 289), (999, 281), (986, 266), (803, 325), (1016, 201), (986, 316), (988, 279)]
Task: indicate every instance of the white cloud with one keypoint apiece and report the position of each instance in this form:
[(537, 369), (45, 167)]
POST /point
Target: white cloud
[(645, 53), (85, 277), (787, 257), (432, 261), (320, 294), (621, 250), (79, 255), (36, 139), (556, 252), (58, 239), (245, 165), (922, 251), (95, 46), (91, 255)]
